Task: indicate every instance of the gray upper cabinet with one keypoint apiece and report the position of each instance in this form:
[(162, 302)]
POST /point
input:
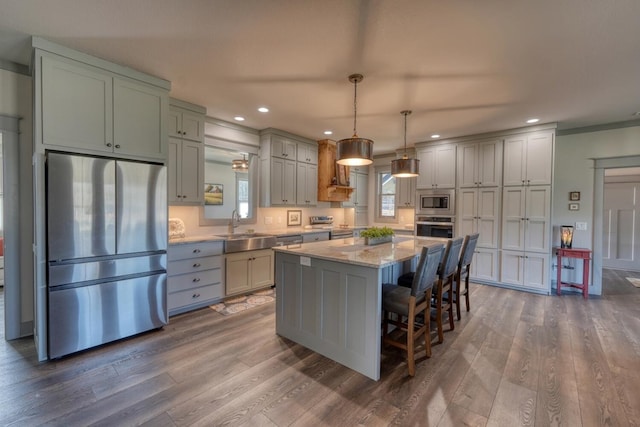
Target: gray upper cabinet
[(437, 166), (138, 128), (77, 106), (359, 181), (308, 153), (528, 159), (288, 169), (186, 124), (307, 184), (283, 148), (185, 160), (93, 110), (480, 164), (406, 192)]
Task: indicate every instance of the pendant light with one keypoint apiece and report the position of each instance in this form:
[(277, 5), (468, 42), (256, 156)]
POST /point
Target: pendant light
[(355, 151), (405, 167), (240, 165)]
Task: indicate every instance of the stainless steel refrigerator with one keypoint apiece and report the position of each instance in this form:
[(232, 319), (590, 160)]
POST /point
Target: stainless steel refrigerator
[(106, 250)]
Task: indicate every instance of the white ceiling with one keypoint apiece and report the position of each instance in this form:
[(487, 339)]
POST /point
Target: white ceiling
[(463, 67)]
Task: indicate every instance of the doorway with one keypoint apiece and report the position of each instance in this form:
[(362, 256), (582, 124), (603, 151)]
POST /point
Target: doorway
[(9, 158), (615, 238), (621, 228), (621, 231)]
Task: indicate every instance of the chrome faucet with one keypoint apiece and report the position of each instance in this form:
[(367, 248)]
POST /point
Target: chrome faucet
[(235, 221)]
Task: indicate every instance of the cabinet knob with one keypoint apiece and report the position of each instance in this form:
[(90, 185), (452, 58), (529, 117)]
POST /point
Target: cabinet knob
[(108, 144), (117, 145), (196, 265), (196, 279), (196, 251), (195, 296)]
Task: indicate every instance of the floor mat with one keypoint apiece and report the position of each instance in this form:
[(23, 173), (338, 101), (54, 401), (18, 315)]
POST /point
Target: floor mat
[(244, 302), (634, 281)]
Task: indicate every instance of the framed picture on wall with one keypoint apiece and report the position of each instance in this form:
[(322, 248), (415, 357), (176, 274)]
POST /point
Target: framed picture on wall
[(213, 194), (294, 218), (574, 196)]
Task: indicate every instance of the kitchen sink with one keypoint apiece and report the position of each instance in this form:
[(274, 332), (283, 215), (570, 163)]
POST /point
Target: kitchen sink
[(239, 242)]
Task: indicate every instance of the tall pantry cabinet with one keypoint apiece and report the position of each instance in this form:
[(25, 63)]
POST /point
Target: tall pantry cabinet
[(479, 177), (503, 186), (526, 211)]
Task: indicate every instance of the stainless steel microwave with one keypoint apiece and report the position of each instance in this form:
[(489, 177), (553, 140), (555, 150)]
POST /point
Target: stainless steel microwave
[(436, 202)]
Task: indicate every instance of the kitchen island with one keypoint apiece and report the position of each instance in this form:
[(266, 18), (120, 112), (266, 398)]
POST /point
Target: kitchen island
[(329, 295)]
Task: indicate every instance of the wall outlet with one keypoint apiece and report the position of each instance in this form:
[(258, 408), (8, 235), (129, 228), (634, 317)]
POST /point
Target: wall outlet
[(268, 220), (581, 226)]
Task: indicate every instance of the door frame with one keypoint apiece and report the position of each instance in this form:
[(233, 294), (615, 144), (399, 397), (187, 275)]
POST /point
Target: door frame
[(598, 206), (10, 130)]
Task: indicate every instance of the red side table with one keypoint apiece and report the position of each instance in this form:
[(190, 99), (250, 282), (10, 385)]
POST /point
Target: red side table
[(578, 253)]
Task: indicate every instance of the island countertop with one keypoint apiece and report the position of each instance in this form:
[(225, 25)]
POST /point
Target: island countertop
[(354, 251)]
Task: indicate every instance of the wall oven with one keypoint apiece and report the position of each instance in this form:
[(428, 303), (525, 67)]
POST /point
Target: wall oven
[(435, 226), (436, 202)]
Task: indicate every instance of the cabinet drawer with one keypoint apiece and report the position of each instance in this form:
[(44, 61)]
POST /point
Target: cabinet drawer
[(193, 265), (315, 237), (194, 296), (182, 282), (191, 250)]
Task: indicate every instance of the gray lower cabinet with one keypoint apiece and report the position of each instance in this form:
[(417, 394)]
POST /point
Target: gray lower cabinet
[(195, 276), (246, 271)]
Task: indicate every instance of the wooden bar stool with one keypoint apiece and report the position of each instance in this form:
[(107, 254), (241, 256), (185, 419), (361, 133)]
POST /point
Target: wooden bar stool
[(407, 303), (443, 298), (464, 268)]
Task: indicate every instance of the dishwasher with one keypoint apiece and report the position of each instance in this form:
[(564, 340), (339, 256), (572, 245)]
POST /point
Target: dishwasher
[(289, 240)]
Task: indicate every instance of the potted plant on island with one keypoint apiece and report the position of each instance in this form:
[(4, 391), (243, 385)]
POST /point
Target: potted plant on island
[(377, 235)]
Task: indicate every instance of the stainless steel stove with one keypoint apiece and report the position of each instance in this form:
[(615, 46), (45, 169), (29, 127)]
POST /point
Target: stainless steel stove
[(326, 222)]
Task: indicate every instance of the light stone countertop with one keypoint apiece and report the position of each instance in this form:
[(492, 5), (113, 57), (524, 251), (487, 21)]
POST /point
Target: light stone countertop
[(276, 232), (354, 251), (196, 239)]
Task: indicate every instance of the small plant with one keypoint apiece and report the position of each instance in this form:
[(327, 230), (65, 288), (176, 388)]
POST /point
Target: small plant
[(376, 232)]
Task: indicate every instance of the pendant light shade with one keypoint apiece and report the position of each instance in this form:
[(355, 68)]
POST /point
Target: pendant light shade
[(240, 165), (405, 167), (355, 151)]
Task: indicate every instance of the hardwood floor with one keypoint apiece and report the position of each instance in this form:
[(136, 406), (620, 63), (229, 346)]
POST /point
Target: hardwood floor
[(515, 359)]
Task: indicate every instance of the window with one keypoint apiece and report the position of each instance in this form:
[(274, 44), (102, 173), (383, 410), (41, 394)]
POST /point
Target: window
[(242, 191), (386, 197)]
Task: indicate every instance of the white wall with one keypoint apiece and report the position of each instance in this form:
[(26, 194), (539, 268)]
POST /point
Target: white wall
[(574, 171), (16, 100)]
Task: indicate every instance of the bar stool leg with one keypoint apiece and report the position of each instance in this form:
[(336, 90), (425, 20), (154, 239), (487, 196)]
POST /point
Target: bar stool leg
[(585, 278), (559, 268)]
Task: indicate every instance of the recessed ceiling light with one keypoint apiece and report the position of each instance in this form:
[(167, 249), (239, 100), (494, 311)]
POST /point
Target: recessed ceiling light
[(239, 118), (533, 120), (263, 109), (328, 132), (435, 135)]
